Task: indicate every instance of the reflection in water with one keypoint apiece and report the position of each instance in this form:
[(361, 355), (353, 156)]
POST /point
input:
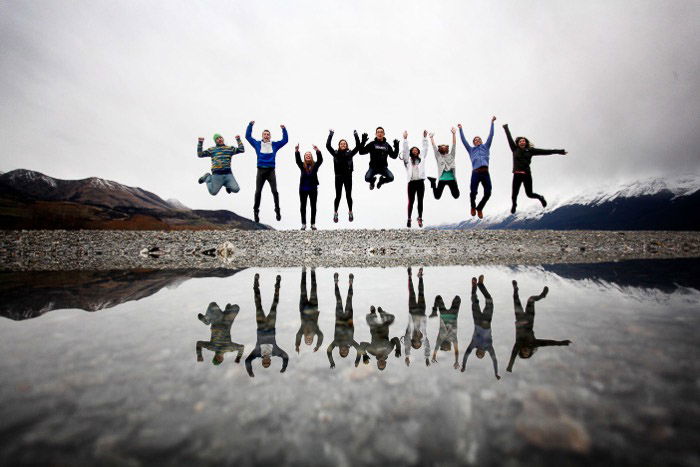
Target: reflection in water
[(308, 311), (380, 345), (344, 336), (266, 345), (482, 340), (447, 335), (416, 330), (525, 342), (220, 341)]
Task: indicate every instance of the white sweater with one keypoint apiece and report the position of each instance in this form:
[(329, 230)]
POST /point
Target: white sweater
[(414, 171)]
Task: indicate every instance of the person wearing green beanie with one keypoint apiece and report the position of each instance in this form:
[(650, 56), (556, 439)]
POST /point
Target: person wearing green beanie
[(220, 341), (221, 174)]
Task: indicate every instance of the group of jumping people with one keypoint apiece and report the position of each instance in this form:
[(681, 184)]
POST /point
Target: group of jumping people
[(378, 173), (381, 345)]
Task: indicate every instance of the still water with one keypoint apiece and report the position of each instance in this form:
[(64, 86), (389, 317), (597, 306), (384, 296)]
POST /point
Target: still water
[(572, 364)]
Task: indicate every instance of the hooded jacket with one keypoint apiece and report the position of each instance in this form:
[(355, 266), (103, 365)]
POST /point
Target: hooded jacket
[(342, 160), (379, 151), (406, 158)]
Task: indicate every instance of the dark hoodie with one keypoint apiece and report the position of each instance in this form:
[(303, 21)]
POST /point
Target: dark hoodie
[(379, 151), (342, 160)]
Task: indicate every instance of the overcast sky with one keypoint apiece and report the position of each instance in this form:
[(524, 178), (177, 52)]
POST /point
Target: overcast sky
[(122, 89)]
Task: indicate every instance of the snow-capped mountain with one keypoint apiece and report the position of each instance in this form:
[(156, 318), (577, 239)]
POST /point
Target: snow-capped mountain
[(652, 204)]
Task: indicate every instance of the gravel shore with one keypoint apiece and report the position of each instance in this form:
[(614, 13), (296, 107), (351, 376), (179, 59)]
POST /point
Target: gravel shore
[(102, 250)]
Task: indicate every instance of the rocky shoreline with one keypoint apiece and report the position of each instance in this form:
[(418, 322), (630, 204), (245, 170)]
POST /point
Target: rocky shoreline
[(62, 250)]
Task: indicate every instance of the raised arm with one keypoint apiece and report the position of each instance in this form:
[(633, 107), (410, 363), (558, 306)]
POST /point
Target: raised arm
[(284, 140), (363, 144), (511, 143), (466, 355), (489, 140), (464, 140), (285, 359), (320, 339), (358, 144), (396, 344), (297, 157), (495, 362), (404, 153), (329, 146), (435, 149), (513, 354), (395, 153), (239, 147), (200, 152), (329, 352), (249, 133), (199, 350), (425, 146), (319, 158), (249, 362)]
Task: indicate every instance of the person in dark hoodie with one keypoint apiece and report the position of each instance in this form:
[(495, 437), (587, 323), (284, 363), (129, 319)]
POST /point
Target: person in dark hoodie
[(308, 312), (523, 151), (308, 183), (266, 151), (266, 345), (342, 166), (344, 337), (482, 339), (378, 151), (220, 341), (221, 174), (526, 344)]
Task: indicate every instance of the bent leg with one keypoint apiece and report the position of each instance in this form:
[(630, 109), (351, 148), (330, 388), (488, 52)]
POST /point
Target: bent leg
[(214, 183), (454, 188), (231, 183)]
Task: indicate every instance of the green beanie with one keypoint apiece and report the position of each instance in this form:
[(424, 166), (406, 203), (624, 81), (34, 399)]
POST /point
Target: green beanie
[(217, 135)]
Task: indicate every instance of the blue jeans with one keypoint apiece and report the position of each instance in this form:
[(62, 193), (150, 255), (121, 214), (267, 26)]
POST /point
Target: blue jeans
[(216, 181), (485, 179)]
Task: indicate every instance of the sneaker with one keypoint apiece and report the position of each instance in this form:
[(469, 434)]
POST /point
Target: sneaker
[(371, 184), (512, 209), (543, 201), (408, 223), (350, 216), (335, 217), (473, 212), (256, 216), (278, 214), (203, 178), (420, 222), (480, 214), (432, 182), (313, 227), (380, 183), (303, 226), (228, 190)]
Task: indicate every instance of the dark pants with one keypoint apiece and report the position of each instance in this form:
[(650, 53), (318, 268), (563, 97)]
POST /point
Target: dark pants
[(416, 187), (454, 189), (340, 181), (482, 319), (266, 174), (311, 195), (386, 175), (485, 179), (526, 181)]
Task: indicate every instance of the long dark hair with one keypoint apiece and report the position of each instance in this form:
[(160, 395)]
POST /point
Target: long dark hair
[(528, 144)]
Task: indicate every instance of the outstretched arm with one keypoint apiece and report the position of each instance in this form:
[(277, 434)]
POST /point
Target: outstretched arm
[(513, 354), (249, 134), (464, 140), (329, 146), (489, 140), (495, 362), (358, 144), (549, 342), (546, 152), (511, 143)]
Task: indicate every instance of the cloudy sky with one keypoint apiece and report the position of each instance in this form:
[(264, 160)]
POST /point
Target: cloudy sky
[(122, 89)]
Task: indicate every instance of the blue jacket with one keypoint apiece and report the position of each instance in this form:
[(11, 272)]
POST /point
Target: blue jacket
[(478, 154), (266, 151)]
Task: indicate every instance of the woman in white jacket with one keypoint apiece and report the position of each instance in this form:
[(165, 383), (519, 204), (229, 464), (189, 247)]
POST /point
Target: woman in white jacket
[(447, 177), (415, 171)]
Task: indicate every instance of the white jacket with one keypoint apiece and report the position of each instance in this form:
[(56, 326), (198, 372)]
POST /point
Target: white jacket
[(414, 171)]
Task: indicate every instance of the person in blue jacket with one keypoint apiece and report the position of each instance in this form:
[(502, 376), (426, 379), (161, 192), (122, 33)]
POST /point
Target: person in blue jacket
[(266, 151), (479, 155)]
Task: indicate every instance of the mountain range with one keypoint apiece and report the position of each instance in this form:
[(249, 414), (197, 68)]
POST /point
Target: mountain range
[(32, 200), (652, 204)]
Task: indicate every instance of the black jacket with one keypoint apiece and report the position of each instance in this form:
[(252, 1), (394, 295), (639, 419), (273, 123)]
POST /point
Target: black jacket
[(342, 160), (379, 151), (308, 181), (522, 157)]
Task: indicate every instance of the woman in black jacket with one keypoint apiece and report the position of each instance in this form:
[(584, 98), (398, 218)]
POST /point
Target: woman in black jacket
[(308, 183), (522, 155), (342, 165)]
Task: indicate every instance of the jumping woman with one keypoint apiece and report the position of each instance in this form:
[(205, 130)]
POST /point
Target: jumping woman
[(308, 183), (523, 151), (342, 165), (445, 158), (479, 155), (415, 171)]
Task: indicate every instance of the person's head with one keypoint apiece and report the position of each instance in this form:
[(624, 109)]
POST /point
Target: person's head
[(445, 346), (381, 363), (218, 358), (266, 361), (342, 145), (379, 133), (344, 350), (308, 339), (218, 139), (415, 152), (416, 339), (266, 136), (443, 149), (522, 142), (480, 353), (477, 141), (526, 352), (308, 158)]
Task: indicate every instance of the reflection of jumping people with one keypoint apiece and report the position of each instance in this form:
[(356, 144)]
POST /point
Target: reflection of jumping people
[(266, 345), (379, 150), (221, 174), (415, 171), (308, 183), (525, 342), (266, 151), (308, 311), (447, 335), (220, 341), (479, 155), (522, 156), (342, 166), (416, 330), (482, 340), (344, 337), (380, 346), (445, 158)]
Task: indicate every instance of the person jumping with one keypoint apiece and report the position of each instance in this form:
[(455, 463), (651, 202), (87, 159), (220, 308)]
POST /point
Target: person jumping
[(378, 151), (445, 158), (266, 151), (479, 155), (342, 165), (415, 171), (221, 174)]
